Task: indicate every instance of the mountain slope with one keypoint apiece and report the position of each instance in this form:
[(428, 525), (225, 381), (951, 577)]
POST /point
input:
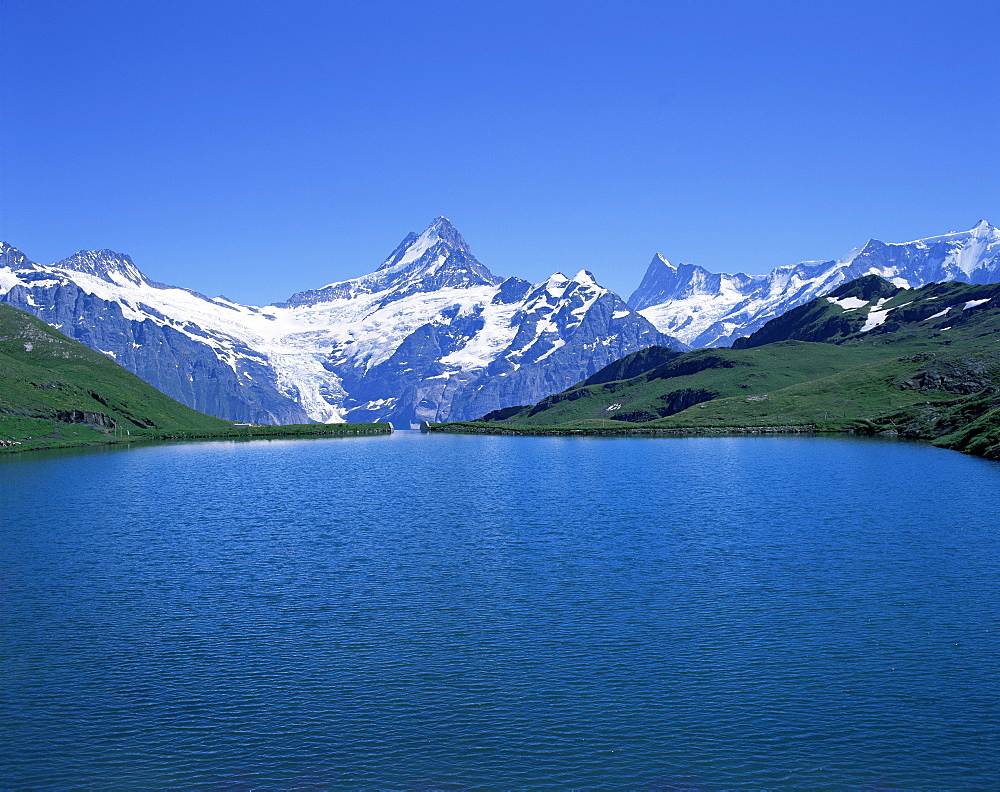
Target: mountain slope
[(431, 334), (702, 308), (868, 357), (52, 385)]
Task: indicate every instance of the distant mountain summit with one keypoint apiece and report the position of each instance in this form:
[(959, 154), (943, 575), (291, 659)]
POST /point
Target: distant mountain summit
[(104, 264), (439, 258), (703, 308), (431, 334)]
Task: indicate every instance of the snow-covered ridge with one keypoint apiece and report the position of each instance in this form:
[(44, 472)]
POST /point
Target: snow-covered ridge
[(702, 308), (430, 334)]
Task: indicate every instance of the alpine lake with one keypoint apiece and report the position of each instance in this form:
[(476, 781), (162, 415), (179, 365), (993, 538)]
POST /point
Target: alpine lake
[(450, 612)]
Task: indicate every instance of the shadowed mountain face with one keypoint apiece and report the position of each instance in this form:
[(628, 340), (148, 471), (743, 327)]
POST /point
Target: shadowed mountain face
[(431, 334), (703, 308)]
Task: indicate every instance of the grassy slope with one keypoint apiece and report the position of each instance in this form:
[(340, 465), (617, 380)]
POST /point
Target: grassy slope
[(937, 379), (56, 392), (722, 372)]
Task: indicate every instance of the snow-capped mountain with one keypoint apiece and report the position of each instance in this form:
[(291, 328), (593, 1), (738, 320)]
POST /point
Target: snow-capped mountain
[(432, 334), (703, 308)]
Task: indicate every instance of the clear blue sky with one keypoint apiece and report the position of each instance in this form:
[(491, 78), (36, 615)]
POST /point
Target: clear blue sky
[(260, 147)]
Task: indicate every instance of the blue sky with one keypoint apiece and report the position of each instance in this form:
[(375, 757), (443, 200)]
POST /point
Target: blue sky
[(258, 148)]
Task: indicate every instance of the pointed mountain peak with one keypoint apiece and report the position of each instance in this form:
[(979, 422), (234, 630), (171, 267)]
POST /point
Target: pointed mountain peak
[(871, 246), (439, 238), (443, 228), (437, 258), (104, 264), (444, 232), (11, 257), (665, 281), (983, 227), (585, 278)]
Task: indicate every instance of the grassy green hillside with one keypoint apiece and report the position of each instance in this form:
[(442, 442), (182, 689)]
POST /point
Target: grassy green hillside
[(874, 358), (56, 392)]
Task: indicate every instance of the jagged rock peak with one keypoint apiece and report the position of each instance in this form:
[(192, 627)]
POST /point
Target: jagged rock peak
[(11, 257), (438, 258), (664, 280), (446, 232), (104, 264), (440, 237)]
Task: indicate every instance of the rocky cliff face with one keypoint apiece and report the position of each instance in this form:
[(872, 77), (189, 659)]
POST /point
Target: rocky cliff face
[(431, 334), (703, 308)]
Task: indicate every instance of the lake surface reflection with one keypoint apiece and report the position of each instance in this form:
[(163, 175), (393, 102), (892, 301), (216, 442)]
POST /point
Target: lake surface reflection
[(455, 612)]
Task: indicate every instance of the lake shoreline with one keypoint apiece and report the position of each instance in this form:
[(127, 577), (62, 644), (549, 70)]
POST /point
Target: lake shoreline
[(966, 445), (233, 433), (555, 431)]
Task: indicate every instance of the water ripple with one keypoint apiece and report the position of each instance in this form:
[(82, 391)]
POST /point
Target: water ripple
[(445, 613)]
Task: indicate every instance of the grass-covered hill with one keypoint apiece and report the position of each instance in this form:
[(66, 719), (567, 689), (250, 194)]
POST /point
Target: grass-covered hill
[(869, 357), (56, 392)]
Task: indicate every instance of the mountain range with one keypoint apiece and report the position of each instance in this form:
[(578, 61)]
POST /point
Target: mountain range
[(709, 309), (432, 334)]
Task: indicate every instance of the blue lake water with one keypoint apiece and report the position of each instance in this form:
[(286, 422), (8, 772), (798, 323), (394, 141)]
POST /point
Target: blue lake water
[(452, 612)]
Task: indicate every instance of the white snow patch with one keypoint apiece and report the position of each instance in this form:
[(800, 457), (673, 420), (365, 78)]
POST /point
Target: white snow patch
[(974, 303), (876, 316), (379, 403), (847, 303), (557, 344), (8, 280)]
